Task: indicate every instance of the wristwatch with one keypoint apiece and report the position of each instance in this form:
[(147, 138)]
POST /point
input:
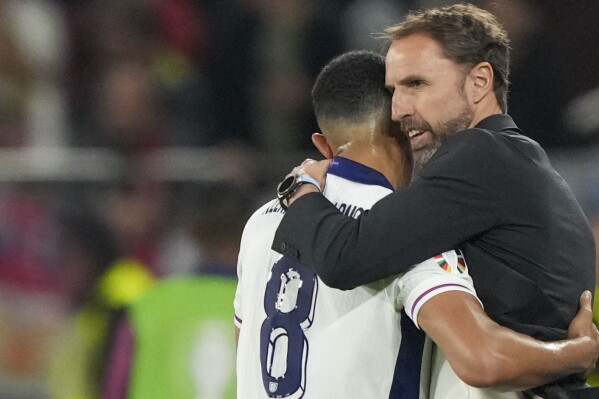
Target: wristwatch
[(291, 184)]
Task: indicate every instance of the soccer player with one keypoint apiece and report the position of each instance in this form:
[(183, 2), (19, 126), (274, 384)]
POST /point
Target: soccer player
[(299, 338)]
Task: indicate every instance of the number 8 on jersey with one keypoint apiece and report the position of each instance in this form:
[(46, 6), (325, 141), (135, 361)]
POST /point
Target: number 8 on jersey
[(289, 302)]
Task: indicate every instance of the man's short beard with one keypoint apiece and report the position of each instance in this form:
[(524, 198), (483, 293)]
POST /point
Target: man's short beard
[(423, 155), (442, 133)]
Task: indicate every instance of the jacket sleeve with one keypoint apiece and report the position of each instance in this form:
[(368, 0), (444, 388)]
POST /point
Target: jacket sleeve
[(450, 202)]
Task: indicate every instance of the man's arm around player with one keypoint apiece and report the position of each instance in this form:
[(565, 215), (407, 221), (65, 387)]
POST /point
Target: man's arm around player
[(483, 354)]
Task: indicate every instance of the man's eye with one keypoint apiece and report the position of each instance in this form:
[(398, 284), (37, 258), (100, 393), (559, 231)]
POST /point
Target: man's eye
[(416, 83)]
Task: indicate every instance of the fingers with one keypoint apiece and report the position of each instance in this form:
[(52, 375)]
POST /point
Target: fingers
[(582, 324), (301, 168), (316, 169), (586, 301), (586, 297), (586, 304), (307, 161)]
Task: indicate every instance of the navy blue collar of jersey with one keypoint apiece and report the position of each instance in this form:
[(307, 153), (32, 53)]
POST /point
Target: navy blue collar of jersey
[(356, 172), (497, 122)]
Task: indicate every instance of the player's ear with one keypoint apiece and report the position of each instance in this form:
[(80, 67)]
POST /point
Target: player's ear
[(321, 143)]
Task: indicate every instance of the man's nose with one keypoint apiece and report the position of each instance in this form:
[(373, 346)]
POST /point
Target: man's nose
[(400, 106)]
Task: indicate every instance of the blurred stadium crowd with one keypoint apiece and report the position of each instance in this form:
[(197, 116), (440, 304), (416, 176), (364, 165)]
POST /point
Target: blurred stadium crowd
[(136, 136)]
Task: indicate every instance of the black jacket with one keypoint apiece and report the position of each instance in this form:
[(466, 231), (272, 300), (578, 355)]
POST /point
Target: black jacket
[(489, 191)]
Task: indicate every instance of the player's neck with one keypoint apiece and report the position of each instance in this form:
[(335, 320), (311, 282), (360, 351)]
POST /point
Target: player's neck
[(386, 159)]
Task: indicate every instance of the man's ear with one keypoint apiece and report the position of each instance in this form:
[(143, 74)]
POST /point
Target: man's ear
[(321, 143), (482, 81)]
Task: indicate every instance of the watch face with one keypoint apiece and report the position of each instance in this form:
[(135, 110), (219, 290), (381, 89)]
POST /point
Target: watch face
[(285, 186)]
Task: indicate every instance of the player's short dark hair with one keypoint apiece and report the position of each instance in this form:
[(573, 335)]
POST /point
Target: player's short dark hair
[(468, 35), (351, 88)]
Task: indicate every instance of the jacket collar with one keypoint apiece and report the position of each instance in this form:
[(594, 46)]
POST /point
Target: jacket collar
[(497, 122)]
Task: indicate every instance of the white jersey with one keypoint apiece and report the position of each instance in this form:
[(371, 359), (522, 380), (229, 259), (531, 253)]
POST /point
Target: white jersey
[(302, 339)]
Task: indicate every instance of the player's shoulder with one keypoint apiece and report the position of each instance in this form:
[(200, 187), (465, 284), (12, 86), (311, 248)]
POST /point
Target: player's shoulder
[(269, 213), (260, 228), (270, 208)]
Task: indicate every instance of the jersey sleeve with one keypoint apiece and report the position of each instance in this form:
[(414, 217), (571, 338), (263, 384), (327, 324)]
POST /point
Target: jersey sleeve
[(237, 302), (442, 273)]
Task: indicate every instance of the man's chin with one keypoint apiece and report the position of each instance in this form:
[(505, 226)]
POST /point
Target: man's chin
[(422, 140), (423, 155)]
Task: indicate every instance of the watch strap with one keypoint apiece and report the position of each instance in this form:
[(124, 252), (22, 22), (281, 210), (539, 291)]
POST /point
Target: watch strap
[(305, 178), (298, 181)]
